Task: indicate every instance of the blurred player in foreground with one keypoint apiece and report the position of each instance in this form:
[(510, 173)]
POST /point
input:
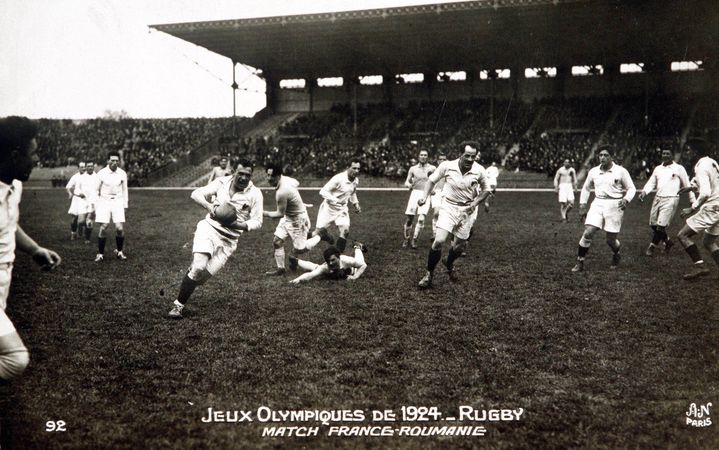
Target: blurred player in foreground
[(340, 190), (466, 186), (669, 178), (336, 266), (111, 204), (703, 215), (565, 183), (613, 190), (17, 158), (294, 221), (416, 179), (214, 242)]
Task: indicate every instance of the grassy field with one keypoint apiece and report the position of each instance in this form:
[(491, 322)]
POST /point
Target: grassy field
[(600, 359)]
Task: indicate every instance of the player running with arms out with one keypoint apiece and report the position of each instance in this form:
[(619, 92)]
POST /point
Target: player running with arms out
[(294, 221), (465, 187), (703, 215), (337, 193), (565, 183), (336, 266), (111, 204), (416, 179), (613, 190), (214, 241), (77, 201), (669, 178), (17, 158)]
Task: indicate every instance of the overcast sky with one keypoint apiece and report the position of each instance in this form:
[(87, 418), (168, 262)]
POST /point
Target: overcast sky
[(79, 58)]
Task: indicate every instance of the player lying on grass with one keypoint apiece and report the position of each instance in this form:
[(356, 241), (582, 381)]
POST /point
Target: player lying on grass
[(336, 266)]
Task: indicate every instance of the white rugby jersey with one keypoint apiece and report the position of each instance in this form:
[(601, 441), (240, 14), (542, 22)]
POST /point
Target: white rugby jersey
[(667, 179), (492, 174), (10, 195), (460, 189), (247, 203), (89, 185), (113, 184), (74, 183), (288, 189), (706, 175), (614, 184), (418, 175), (565, 176), (339, 190)]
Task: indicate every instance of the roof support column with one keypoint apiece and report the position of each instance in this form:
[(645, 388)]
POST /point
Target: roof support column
[(271, 86)]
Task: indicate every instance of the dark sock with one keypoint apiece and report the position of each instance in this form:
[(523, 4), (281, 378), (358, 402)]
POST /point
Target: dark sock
[(433, 259), (88, 233), (73, 225), (341, 244), (715, 255), (582, 251), (187, 287), (120, 242), (615, 250), (81, 229), (657, 238), (694, 254), (101, 245), (452, 256), (663, 235)]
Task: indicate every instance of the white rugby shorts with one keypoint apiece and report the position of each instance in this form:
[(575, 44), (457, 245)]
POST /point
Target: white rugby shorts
[(606, 215), (566, 193), (107, 210), (706, 219), (6, 326), (211, 241), (663, 210), (328, 214), (413, 208), (457, 220), (296, 228), (77, 206)]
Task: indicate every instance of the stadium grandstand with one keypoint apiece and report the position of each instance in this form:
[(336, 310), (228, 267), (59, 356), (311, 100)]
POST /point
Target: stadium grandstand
[(534, 81)]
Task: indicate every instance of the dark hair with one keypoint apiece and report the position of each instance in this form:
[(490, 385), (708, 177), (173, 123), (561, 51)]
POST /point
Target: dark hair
[(113, 153), (609, 149), (329, 251), (355, 160), (244, 162), (473, 144), (700, 146), (15, 134), (276, 169)]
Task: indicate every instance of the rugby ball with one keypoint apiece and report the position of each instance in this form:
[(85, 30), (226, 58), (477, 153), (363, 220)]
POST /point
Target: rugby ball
[(225, 213)]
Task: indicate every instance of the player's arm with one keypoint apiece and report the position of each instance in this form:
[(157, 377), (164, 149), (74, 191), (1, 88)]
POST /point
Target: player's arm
[(485, 192), (317, 272), (703, 180), (556, 180), (355, 202), (584, 195), (326, 191), (281, 207), (431, 182), (125, 197), (358, 263), (45, 258), (573, 175), (629, 186), (410, 177), (685, 185), (202, 196), (649, 186), (70, 187)]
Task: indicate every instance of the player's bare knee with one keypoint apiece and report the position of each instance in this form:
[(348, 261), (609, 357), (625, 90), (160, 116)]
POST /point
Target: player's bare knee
[(198, 273)]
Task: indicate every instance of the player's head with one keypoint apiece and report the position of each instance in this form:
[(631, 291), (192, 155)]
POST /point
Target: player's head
[(274, 173), (567, 164), (89, 167), (353, 169), (441, 158), (243, 174), (332, 257), (423, 155), (223, 162), (81, 167), (667, 156), (605, 155), (698, 146), (469, 151), (113, 159), (17, 148)]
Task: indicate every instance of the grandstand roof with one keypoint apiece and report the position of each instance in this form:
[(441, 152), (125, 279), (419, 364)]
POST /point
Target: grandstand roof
[(464, 35)]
